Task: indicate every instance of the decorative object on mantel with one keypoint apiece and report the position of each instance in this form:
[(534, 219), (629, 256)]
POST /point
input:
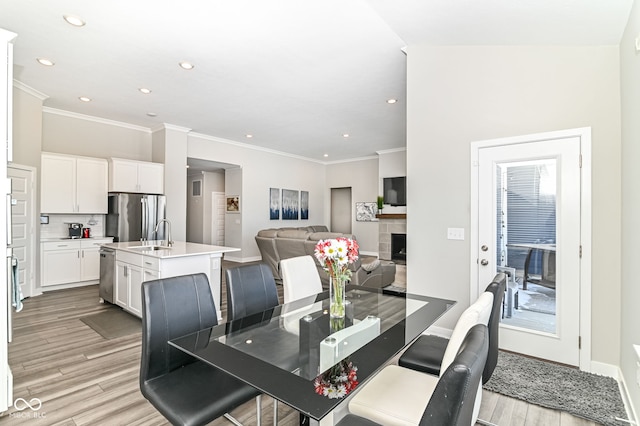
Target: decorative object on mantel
[(380, 201), (289, 204), (335, 255), (274, 203), (365, 212)]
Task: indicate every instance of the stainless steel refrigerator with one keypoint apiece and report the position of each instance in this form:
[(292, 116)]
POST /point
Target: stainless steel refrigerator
[(133, 217)]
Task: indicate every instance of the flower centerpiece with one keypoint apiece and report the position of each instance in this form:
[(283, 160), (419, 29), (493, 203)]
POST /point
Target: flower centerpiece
[(335, 256), (338, 381)]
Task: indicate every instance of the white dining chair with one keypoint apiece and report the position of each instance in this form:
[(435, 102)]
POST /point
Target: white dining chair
[(300, 278)]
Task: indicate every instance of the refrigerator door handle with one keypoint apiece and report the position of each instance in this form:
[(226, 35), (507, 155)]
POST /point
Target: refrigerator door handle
[(145, 224)]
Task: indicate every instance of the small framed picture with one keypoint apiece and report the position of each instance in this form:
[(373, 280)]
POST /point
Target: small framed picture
[(233, 204), (366, 212)]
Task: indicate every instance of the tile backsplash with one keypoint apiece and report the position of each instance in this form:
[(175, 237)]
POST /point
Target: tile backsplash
[(58, 228)]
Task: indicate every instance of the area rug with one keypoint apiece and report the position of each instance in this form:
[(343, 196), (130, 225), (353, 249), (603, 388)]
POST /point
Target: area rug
[(590, 396), (113, 323)]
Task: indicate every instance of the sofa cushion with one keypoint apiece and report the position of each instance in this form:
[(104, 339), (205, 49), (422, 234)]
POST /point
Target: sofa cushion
[(316, 236), (293, 233)]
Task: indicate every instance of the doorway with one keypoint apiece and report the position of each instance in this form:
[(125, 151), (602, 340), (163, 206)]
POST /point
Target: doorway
[(23, 225), (531, 220), (341, 210)]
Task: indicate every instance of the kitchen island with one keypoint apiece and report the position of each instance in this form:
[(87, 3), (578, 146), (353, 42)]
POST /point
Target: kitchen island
[(139, 261)]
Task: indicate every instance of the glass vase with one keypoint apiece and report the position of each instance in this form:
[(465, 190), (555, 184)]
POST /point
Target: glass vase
[(336, 297)]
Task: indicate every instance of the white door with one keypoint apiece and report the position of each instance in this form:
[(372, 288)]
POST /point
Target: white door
[(529, 222), (218, 205), (23, 225)]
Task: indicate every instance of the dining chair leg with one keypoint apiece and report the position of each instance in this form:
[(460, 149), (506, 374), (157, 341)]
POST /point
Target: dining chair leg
[(275, 412), (232, 419), (259, 410)]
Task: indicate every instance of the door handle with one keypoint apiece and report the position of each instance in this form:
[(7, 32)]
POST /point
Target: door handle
[(484, 262)]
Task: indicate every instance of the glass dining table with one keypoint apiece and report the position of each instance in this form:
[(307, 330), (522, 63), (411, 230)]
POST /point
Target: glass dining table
[(300, 356)]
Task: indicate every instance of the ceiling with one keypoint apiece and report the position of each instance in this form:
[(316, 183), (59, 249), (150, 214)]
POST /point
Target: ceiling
[(296, 75)]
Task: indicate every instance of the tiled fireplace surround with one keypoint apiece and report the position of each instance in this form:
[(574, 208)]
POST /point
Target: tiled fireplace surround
[(386, 227)]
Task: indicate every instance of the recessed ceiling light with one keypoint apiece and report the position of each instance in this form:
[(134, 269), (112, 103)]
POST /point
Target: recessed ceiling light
[(345, 135), (152, 114), (326, 155), (84, 99), (186, 65), (144, 90), (46, 62), (392, 101), (74, 20), (249, 136)]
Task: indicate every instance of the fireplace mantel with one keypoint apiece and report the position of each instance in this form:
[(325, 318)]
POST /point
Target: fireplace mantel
[(392, 216)]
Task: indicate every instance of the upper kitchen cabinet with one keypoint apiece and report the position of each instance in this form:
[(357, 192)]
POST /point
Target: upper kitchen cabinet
[(135, 176), (72, 184)]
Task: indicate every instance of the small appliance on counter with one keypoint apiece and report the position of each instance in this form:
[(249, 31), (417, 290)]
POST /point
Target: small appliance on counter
[(75, 230), (86, 232)]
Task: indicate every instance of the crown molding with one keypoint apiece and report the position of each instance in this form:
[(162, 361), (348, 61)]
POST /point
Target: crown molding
[(167, 126), (352, 160), (79, 116), (29, 90), (391, 151), (253, 147)]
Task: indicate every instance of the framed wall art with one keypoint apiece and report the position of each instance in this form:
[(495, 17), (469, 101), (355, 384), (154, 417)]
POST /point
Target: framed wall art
[(290, 204), (274, 203), (233, 204), (366, 212), (304, 205)]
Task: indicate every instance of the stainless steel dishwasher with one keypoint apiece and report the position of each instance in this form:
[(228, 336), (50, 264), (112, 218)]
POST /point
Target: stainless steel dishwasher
[(107, 271)]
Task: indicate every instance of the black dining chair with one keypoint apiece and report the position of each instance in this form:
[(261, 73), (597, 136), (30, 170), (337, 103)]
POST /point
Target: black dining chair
[(250, 289), (183, 389), (453, 398), (426, 353)]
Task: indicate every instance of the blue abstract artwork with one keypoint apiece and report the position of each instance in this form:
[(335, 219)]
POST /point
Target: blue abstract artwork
[(274, 203), (289, 204)]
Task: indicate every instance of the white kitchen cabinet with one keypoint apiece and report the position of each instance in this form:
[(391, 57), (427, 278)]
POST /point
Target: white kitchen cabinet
[(89, 260), (135, 176), (61, 263), (132, 270), (71, 261), (72, 184)]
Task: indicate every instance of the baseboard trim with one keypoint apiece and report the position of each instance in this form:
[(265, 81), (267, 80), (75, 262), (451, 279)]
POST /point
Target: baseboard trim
[(626, 399)]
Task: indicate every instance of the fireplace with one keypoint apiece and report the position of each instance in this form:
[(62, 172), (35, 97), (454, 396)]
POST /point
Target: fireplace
[(399, 248)]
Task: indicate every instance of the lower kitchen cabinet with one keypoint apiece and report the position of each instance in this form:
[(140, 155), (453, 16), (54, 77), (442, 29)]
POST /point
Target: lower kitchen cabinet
[(131, 271), (70, 261)]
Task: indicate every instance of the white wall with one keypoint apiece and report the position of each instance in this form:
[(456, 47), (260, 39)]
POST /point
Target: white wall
[(457, 95), (262, 170), (362, 177), (630, 314), (67, 133)]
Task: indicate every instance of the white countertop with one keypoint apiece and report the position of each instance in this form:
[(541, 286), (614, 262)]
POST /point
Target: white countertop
[(178, 249)]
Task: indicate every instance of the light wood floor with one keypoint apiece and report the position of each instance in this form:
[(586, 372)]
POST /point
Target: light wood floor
[(83, 379)]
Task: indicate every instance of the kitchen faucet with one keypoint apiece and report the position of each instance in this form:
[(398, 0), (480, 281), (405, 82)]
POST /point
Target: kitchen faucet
[(169, 242)]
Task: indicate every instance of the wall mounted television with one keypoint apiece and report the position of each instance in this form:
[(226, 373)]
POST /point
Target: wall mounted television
[(395, 190)]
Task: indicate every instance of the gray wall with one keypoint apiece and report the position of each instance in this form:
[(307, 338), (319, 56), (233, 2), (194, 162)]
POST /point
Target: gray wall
[(457, 95), (630, 315)]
